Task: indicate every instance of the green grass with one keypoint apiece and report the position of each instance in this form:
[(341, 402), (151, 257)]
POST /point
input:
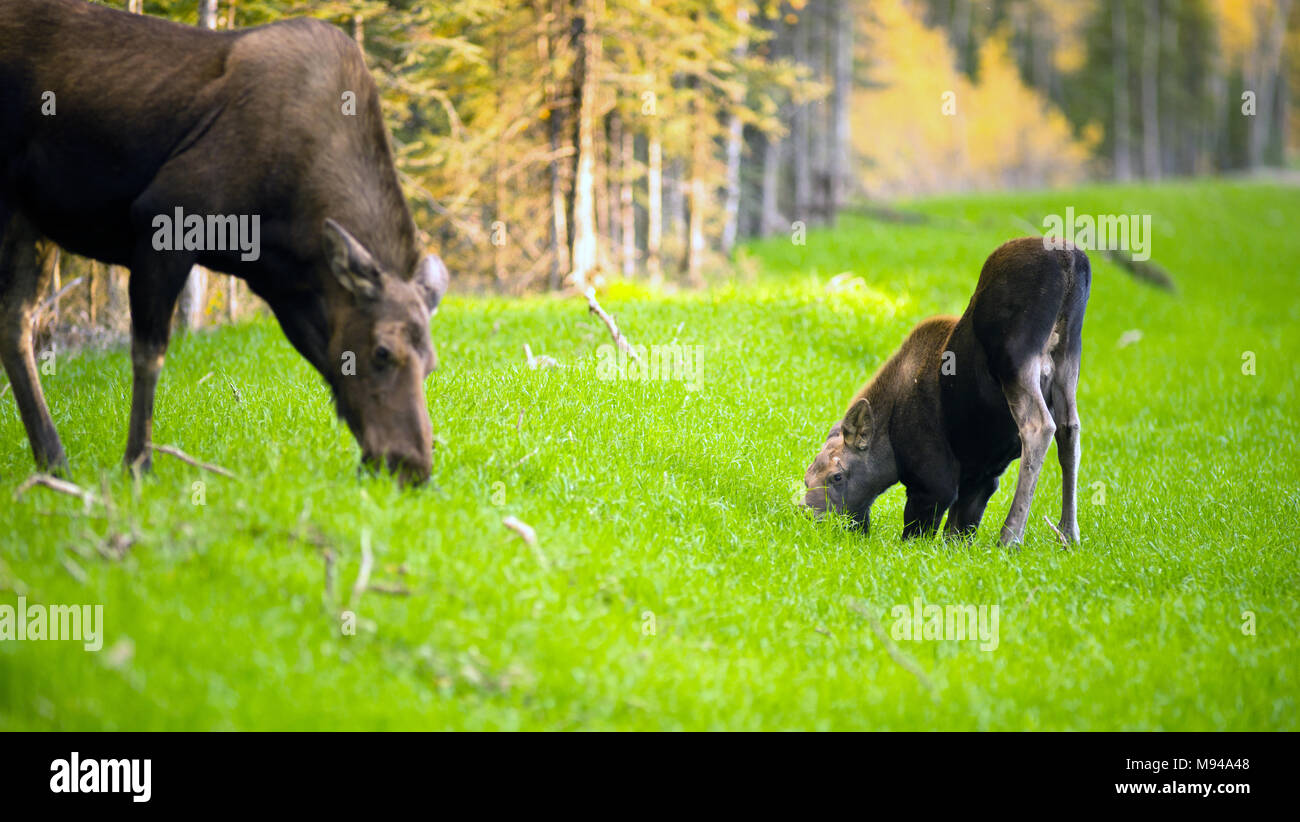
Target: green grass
[(648, 497)]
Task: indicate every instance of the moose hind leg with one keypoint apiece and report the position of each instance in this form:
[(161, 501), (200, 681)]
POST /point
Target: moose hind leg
[(1065, 411), (1034, 421), (22, 281)]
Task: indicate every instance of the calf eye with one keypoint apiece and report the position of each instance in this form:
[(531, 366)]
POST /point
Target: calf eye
[(837, 477), (383, 357)]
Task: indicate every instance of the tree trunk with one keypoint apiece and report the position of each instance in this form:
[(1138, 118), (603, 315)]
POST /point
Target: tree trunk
[(499, 230), (627, 211), (555, 123), (654, 234), (735, 142), (695, 189), (675, 208), (800, 136), (961, 20), (1150, 91), (841, 94), (1119, 44), (770, 218), (584, 198), (1271, 35)]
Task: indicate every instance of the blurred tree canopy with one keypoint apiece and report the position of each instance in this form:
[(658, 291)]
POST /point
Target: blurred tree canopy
[(553, 142)]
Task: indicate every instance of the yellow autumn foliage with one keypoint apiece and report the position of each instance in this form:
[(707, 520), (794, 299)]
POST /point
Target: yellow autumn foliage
[(925, 127)]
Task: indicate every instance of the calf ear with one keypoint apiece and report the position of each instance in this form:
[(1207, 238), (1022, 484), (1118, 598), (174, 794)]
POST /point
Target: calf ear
[(431, 279), (857, 425), (350, 263)]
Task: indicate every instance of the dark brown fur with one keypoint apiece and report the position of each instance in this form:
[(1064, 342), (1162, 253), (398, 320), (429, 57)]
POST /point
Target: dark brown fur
[(948, 434), (153, 115)]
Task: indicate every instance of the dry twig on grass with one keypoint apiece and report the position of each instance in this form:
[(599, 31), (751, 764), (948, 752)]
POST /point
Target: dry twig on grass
[(899, 658), (328, 556), (363, 576), (529, 536), (538, 362), (56, 484), (619, 339), (74, 570), (523, 529), (390, 589), (184, 457), (1065, 543)]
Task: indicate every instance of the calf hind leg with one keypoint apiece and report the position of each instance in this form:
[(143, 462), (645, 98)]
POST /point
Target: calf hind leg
[(1065, 410), (1034, 421), (22, 281)]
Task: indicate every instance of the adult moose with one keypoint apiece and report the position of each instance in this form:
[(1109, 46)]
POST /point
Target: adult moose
[(111, 121), (964, 396)]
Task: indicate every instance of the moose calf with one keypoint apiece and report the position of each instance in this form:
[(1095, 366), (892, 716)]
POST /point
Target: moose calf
[(963, 397)]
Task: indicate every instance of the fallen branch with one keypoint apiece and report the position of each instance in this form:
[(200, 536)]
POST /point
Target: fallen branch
[(391, 590), (48, 305), (538, 362), (363, 576), (899, 658), (56, 484), (523, 529), (74, 570), (328, 556), (528, 535), (1065, 543), (184, 457), (1149, 272), (1145, 270), (619, 339)]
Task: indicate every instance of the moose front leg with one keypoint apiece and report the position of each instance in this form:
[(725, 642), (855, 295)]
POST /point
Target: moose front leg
[(156, 282), (22, 282), (1034, 421), (926, 505), (965, 515)]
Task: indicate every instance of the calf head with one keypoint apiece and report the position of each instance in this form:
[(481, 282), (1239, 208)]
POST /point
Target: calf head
[(379, 333), (855, 465)]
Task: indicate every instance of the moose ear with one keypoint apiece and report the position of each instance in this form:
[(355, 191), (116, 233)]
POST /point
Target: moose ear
[(350, 263), (431, 279), (858, 422)]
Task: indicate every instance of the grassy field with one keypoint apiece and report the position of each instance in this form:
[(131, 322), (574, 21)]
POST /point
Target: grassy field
[(661, 507)]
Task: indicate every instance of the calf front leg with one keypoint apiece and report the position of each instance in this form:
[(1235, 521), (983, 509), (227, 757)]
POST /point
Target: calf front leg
[(965, 515), (156, 282), (1034, 421), (923, 513)]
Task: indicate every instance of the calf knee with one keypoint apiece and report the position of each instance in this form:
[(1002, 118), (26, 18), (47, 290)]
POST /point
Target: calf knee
[(1037, 432)]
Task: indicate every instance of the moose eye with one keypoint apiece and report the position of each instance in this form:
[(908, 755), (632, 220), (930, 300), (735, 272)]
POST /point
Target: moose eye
[(837, 477), (383, 357)]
